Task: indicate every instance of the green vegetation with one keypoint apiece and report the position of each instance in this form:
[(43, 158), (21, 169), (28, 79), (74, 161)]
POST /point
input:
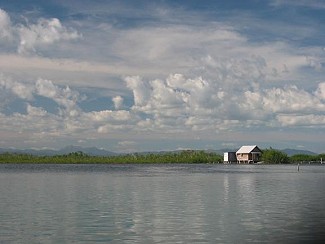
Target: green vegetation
[(189, 156), (307, 158), (272, 156), (269, 156)]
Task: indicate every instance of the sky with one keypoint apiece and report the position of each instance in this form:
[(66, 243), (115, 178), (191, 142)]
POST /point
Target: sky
[(131, 76)]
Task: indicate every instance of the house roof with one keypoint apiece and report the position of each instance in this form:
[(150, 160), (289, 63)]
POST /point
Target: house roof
[(247, 149)]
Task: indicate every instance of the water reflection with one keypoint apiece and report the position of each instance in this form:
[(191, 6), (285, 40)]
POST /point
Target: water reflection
[(162, 204)]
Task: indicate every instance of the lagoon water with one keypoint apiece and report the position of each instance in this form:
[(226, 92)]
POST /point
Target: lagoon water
[(162, 203)]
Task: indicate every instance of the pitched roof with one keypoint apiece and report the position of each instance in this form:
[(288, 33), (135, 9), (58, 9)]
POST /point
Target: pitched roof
[(247, 149)]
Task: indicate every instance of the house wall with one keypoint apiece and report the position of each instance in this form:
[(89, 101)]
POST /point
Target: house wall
[(248, 156), (243, 156), (229, 157), (256, 156)]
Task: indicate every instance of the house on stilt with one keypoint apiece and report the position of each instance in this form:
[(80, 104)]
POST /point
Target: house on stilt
[(245, 155)]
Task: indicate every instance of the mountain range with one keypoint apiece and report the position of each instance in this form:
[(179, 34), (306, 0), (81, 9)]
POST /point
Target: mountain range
[(288, 151), (94, 151)]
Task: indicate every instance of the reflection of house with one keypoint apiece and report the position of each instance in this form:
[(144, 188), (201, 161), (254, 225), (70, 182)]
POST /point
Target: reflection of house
[(246, 154)]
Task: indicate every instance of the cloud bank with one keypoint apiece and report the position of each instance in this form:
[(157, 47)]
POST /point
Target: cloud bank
[(151, 81), (177, 104), (31, 37)]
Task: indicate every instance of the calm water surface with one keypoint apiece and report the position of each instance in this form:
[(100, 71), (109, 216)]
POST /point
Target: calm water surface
[(162, 204)]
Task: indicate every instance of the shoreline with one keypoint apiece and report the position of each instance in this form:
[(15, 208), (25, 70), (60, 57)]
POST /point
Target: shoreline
[(184, 157)]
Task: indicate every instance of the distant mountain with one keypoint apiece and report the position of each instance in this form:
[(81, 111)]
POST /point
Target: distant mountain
[(39, 152), (223, 150), (288, 151), (291, 152), (92, 151)]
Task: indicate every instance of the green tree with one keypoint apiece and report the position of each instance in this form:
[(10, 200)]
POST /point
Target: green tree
[(302, 158), (190, 156), (273, 156)]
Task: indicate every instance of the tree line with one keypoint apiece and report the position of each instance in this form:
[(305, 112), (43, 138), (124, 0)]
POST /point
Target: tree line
[(278, 157), (269, 156), (188, 156)]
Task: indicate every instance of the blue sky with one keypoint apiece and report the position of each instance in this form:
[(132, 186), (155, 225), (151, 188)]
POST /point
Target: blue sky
[(162, 75)]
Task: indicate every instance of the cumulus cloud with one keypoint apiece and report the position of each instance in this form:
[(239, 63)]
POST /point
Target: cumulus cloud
[(198, 104), (109, 116), (5, 25), (64, 97), (44, 32), (310, 120), (35, 111), (177, 104), (108, 121), (181, 79), (291, 99), (157, 51), (21, 90), (32, 36), (320, 92), (118, 102), (140, 89), (36, 122), (70, 118)]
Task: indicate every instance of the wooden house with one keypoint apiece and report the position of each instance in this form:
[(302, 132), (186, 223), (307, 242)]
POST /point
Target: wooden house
[(248, 154)]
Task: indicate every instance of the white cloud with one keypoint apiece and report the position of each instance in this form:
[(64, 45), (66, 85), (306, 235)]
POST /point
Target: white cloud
[(118, 102), (126, 143), (127, 146), (141, 90), (156, 51), (180, 103), (35, 123), (291, 99), (32, 36), (310, 120), (304, 3), (64, 97), (21, 90), (5, 25), (315, 63), (35, 112), (320, 92), (44, 32), (176, 106), (200, 79), (109, 116)]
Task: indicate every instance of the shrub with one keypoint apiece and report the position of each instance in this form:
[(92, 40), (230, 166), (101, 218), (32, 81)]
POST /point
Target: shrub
[(275, 156)]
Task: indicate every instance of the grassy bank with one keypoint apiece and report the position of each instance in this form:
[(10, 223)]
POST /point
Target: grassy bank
[(190, 156)]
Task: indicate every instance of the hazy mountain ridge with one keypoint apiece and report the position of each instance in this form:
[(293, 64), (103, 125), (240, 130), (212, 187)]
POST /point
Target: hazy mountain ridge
[(94, 151), (291, 152)]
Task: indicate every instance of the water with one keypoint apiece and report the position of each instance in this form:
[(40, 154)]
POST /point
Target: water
[(161, 204)]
